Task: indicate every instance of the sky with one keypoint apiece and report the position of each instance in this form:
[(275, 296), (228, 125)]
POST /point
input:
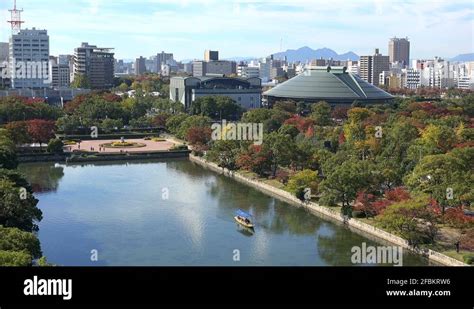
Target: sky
[(249, 28)]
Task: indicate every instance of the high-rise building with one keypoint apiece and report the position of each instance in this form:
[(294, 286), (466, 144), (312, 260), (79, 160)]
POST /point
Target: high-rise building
[(399, 50), (61, 75), (211, 55), (371, 66), (29, 59), (4, 51), (140, 66), (162, 58), (95, 64)]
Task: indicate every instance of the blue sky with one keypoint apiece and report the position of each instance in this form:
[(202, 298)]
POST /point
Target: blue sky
[(249, 27)]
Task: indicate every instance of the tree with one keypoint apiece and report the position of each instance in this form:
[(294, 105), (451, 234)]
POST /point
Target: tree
[(225, 154), (193, 121), (306, 179), (17, 211), (81, 82), (444, 177), (68, 124), (174, 122), (321, 114), (15, 259), (256, 159), (281, 149), (344, 181), (18, 132), (199, 136), (13, 239), (55, 146), (8, 157), (41, 131), (109, 125), (411, 219)]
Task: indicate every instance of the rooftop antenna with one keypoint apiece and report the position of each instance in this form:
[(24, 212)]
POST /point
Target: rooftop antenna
[(15, 19)]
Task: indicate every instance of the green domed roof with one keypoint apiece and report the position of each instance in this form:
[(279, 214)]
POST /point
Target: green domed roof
[(332, 85)]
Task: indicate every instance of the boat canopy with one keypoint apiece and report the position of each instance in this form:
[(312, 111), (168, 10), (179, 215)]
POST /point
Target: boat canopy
[(243, 214)]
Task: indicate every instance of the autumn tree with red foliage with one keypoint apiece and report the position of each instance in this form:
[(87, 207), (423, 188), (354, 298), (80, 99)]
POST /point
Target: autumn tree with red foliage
[(373, 206), (256, 159), (199, 136), (41, 131), (301, 123)]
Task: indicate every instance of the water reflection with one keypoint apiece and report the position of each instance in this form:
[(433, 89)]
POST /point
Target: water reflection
[(43, 177), (118, 209)]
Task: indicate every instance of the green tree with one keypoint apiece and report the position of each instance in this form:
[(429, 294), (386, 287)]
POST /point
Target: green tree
[(55, 146), (13, 239), (81, 82), (321, 114), (174, 122), (16, 210), (304, 180), (411, 219), (344, 181), (225, 154), (15, 259)]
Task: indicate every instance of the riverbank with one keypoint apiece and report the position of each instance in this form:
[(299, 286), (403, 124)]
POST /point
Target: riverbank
[(102, 157), (330, 214)]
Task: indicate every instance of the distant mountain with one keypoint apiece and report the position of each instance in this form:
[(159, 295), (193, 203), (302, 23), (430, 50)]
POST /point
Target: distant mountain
[(239, 59), (306, 53), (464, 57)]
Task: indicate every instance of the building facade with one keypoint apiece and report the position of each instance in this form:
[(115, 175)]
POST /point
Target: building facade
[(372, 66), (162, 58), (399, 51), (246, 92), (96, 65), (140, 66), (211, 55), (30, 49)]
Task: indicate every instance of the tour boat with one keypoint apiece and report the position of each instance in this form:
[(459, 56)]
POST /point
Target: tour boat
[(244, 219)]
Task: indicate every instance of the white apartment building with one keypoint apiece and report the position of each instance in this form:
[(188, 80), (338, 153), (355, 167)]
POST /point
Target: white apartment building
[(248, 71), (411, 79), (29, 48)]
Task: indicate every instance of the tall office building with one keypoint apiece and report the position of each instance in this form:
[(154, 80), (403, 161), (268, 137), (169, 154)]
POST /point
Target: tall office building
[(140, 66), (211, 55), (96, 64), (4, 52), (370, 67), (29, 59), (162, 58), (399, 51)]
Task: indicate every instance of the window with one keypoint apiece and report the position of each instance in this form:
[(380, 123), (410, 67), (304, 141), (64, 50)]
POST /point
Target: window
[(239, 99)]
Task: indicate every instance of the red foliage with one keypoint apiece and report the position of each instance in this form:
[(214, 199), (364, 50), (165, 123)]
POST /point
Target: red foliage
[(41, 131), (301, 123), (75, 103), (111, 97), (397, 195), (342, 138), (160, 120), (32, 101), (282, 176), (199, 135), (256, 159), (310, 132), (456, 217), (467, 240)]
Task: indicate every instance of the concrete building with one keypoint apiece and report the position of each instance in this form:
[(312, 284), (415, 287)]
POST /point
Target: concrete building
[(29, 49), (399, 51), (246, 71), (246, 92), (61, 75), (411, 79), (211, 55), (371, 66), (140, 66), (4, 52), (331, 84), (162, 58), (220, 67), (95, 64)]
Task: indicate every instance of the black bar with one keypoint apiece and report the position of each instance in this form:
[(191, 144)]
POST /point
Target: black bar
[(300, 285)]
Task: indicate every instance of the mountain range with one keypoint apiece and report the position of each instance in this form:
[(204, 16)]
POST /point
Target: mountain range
[(463, 57), (306, 53)]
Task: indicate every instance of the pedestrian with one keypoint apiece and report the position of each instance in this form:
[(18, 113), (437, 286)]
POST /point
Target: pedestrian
[(458, 245)]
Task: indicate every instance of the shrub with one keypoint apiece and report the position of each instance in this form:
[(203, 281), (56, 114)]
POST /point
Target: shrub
[(15, 259), (55, 146), (467, 240), (302, 180), (469, 259), (455, 217)]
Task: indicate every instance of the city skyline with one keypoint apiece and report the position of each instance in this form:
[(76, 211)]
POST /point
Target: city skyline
[(248, 28)]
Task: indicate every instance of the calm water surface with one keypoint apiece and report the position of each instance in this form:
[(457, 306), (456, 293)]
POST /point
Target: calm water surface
[(118, 209)]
